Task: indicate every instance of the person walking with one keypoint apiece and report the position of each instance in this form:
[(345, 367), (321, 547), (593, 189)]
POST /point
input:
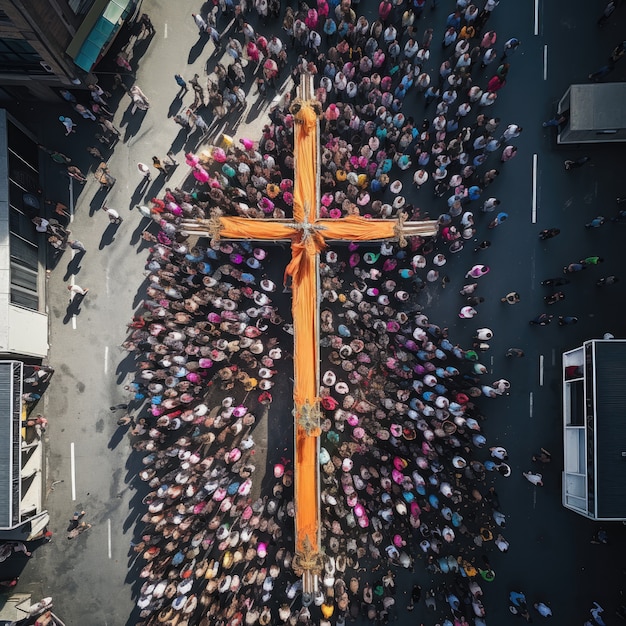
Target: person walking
[(508, 153), (543, 457), (606, 14), (490, 204), (534, 478), (548, 233), (145, 171), (543, 319), (164, 167), (510, 47), (554, 297), (498, 219), (511, 132), (511, 298), (567, 320), (607, 280), (467, 312), (596, 610), (555, 282), (76, 526), (77, 290), (114, 216), (68, 124), (573, 164), (592, 260), (543, 609), (596, 222), (180, 81), (603, 71), (75, 173), (77, 245), (477, 271), (200, 23)]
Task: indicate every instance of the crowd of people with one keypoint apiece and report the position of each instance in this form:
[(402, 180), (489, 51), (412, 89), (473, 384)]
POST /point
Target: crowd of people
[(405, 464), (407, 473)]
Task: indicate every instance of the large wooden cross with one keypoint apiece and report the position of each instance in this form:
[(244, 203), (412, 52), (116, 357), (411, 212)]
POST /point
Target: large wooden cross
[(309, 235)]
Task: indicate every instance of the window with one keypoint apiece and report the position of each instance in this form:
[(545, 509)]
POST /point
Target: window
[(80, 7), (17, 56)]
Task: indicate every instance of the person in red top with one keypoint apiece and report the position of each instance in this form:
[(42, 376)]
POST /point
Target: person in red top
[(384, 9)]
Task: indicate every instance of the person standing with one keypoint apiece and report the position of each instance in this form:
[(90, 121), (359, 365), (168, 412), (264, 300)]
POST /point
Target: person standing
[(107, 125)]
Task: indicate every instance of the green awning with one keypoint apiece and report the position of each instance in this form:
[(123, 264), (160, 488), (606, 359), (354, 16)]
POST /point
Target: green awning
[(97, 30)]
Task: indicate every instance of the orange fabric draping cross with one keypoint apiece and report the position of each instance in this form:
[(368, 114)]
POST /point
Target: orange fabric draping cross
[(308, 236)]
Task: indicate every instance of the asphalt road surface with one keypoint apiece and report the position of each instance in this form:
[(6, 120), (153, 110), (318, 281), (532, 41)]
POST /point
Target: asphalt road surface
[(550, 558)]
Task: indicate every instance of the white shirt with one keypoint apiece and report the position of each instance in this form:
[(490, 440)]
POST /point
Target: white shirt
[(200, 23), (535, 479)]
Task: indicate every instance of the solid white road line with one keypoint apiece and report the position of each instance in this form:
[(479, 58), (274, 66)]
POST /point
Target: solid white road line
[(106, 360), (72, 295), (536, 17), (71, 200), (531, 404), (73, 471), (534, 201), (541, 370), (165, 31), (109, 535), (545, 62)]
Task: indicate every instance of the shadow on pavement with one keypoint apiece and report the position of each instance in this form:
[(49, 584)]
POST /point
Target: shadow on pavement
[(132, 122), (197, 48), (73, 267), (117, 437), (73, 308), (175, 106), (108, 236)]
